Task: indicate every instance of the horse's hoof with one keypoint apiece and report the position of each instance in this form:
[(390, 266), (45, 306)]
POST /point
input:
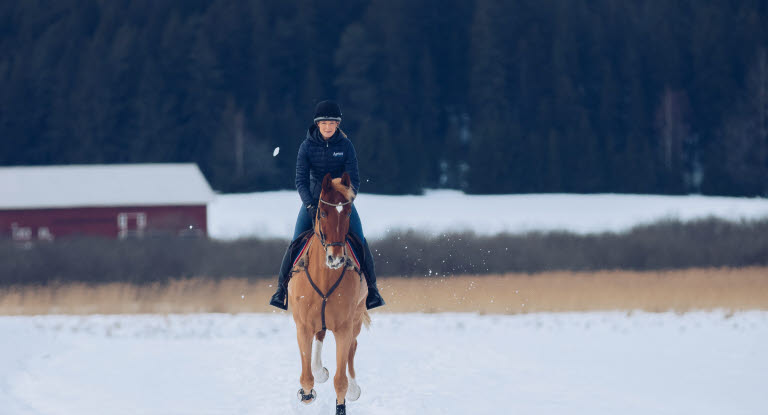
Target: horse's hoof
[(341, 409), (353, 392), (321, 376), (307, 399)]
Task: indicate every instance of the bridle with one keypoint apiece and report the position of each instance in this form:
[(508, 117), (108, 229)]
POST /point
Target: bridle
[(321, 235), (327, 295)]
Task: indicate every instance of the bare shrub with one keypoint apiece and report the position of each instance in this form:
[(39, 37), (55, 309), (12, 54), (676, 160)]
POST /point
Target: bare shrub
[(659, 246)]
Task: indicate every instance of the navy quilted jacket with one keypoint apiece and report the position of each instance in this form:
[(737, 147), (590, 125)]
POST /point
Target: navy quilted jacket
[(318, 157)]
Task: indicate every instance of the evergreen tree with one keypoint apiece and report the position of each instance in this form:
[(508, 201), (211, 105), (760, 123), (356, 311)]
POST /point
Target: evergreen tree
[(485, 96)]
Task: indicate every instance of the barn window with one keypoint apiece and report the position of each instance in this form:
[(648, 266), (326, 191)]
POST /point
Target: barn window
[(141, 220), (131, 224), (44, 234), (122, 221), (21, 233)]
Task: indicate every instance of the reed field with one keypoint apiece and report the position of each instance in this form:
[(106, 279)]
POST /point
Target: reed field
[(656, 291)]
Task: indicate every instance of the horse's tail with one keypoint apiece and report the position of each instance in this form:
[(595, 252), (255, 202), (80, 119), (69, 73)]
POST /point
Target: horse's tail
[(366, 319)]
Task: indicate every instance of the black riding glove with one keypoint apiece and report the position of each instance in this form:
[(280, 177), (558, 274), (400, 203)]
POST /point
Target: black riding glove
[(312, 210)]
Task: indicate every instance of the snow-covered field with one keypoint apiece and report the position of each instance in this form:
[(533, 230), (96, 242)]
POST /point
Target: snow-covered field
[(578, 363), (569, 363), (273, 214)]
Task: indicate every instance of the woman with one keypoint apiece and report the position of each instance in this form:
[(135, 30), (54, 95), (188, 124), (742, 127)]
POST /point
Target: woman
[(325, 150)]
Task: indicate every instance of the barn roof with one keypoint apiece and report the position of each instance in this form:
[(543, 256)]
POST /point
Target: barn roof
[(103, 185)]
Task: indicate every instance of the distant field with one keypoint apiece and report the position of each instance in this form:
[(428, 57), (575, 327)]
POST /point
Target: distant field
[(232, 216), (681, 291)]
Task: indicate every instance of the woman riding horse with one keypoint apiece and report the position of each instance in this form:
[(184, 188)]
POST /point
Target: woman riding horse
[(329, 294), (325, 150)]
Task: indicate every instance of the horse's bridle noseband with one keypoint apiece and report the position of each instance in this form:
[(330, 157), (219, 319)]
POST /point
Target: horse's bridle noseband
[(321, 235)]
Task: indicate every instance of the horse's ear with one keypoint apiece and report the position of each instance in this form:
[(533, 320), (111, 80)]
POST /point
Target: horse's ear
[(345, 180), (327, 183)]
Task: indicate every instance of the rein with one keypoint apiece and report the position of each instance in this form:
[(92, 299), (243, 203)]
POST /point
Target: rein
[(325, 244)]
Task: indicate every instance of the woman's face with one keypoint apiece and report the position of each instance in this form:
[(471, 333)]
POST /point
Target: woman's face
[(327, 128)]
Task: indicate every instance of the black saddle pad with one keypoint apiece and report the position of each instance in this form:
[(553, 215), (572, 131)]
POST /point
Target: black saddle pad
[(298, 245), (357, 248)]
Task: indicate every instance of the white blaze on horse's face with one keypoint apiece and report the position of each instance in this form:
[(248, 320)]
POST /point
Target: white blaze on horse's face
[(334, 210), (334, 226)]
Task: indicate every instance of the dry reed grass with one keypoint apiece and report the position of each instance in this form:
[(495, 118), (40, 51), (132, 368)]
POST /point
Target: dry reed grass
[(680, 291)]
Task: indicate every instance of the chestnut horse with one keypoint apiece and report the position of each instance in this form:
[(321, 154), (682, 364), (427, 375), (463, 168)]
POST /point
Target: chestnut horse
[(327, 292)]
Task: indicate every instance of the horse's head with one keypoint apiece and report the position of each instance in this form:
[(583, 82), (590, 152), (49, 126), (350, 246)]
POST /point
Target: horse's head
[(333, 211)]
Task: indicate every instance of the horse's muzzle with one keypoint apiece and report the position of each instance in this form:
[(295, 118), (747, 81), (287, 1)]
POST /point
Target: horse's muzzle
[(334, 262)]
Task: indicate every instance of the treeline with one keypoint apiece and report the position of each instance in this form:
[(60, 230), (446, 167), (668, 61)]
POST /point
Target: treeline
[(660, 246), (486, 96)]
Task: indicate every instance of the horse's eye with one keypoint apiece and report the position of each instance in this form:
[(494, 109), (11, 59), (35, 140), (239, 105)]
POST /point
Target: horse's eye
[(323, 214)]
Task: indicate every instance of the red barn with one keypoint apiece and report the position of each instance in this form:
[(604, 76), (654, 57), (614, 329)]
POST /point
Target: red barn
[(116, 201)]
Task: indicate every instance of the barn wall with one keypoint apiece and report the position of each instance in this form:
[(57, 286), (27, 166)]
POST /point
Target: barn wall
[(103, 221)]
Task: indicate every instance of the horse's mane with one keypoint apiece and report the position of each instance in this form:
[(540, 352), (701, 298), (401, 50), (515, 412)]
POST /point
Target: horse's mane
[(345, 191)]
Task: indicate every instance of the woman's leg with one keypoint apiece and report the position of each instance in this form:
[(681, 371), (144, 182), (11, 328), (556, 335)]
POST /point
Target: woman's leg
[(303, 223), (355, 225), (374, 298)]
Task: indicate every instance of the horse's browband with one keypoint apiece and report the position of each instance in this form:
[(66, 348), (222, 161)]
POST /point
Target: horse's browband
[(335, 204)]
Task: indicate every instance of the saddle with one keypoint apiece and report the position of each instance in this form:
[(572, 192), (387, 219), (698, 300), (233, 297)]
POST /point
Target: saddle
[(355, 254)]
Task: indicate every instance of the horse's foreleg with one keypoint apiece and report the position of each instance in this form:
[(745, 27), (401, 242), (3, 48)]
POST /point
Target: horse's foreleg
[(340, 381), (306, 393), (353, 391), (320, 373)]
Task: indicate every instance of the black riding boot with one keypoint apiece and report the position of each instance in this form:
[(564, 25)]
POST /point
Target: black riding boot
[(278, 300), (374, 298)]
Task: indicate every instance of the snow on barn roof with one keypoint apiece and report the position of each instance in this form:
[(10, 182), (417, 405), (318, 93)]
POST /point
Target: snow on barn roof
[(102, 185)]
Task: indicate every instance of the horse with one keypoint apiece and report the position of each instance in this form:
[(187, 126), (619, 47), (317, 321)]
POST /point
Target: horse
[(328, 293)]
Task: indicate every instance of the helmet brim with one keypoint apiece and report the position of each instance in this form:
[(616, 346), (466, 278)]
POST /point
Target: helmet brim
[(318, 119)]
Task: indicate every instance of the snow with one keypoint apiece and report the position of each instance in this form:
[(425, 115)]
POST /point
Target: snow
[(103, 185), (273, 214), (204, 364)]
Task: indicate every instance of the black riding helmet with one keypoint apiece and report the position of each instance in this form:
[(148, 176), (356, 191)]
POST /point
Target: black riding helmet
[(327, 111)]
